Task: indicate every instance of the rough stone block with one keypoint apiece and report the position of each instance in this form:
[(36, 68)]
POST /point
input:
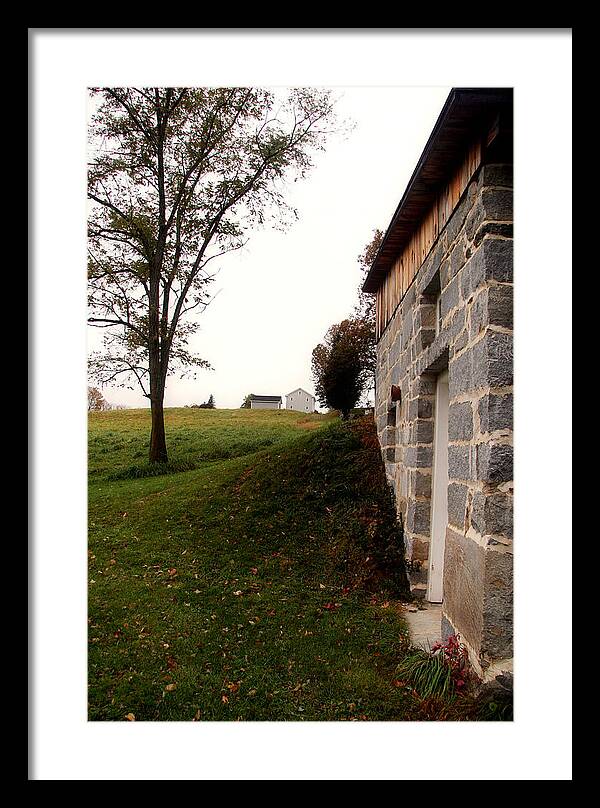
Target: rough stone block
[(459, 462), (460, 374), (447, 628), (474, 218), (409, 299), (460, 341), (492, 305), (492, 229), (494, 463), (418, 456), (421, 484), (425, 316), (424, 338), (407, 327), (456, 324), (493, 361), (420, 550), (450, 298), (394, 354), (492, 260), (388, 437), (421, 431), (460, 422), (464, 575), (420, 408), (478, 313), (498, 606), (423, 385), (435, 359), (495, 412), (500, 174), (500, 305), (445, 273), (497, 204), (418, 517), (457, 256), (457, 503), (492, 514)]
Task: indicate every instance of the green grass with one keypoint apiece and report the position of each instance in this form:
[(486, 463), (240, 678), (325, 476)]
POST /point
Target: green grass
[(259, 584), (118, 440)]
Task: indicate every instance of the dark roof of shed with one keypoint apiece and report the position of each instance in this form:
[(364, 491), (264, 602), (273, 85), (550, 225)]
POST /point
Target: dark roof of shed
[(463, 116), (264, 398)]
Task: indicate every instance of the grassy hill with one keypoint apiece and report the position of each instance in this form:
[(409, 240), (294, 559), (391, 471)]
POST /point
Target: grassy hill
[(254, 580)]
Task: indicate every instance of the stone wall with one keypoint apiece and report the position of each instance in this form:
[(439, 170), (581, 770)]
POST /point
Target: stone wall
[(457, 315)]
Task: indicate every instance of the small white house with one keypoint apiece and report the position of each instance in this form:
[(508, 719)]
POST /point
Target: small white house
[(265, 402), (300, 400)]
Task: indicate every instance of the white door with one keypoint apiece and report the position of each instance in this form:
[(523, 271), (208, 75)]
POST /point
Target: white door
[(439, 492)]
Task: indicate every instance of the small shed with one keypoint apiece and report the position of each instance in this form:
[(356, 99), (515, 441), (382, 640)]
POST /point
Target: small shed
[(265, 402)]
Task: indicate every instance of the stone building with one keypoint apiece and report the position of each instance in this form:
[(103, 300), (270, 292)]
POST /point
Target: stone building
[(444, 397)]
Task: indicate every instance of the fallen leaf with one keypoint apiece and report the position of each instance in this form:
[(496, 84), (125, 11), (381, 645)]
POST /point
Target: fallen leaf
[(170, 687), (224, 699), (130, 717), (172, 572)]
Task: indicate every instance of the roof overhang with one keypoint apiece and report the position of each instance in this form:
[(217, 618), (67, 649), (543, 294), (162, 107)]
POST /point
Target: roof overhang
[(467, 114)]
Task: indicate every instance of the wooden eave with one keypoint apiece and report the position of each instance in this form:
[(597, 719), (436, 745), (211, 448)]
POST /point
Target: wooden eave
[(467, 114)]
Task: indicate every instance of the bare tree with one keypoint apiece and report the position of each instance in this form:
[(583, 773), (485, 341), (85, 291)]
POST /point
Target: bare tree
[(177, 178), (96, 401)]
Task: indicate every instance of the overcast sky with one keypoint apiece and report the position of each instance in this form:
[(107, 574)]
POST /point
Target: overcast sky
[(277, 297)]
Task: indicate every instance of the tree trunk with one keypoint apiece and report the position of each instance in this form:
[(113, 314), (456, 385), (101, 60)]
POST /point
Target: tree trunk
[(158, 439)]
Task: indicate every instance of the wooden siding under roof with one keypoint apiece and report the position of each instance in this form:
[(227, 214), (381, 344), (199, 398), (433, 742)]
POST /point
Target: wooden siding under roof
[(453, 153), (405, 267)]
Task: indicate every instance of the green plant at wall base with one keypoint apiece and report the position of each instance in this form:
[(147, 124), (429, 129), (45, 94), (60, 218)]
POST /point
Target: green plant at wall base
[(428, 674), (441, 671), (454, 654)]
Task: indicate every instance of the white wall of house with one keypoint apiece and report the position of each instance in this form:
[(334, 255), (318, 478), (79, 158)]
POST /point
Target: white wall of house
[(300, 400)]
